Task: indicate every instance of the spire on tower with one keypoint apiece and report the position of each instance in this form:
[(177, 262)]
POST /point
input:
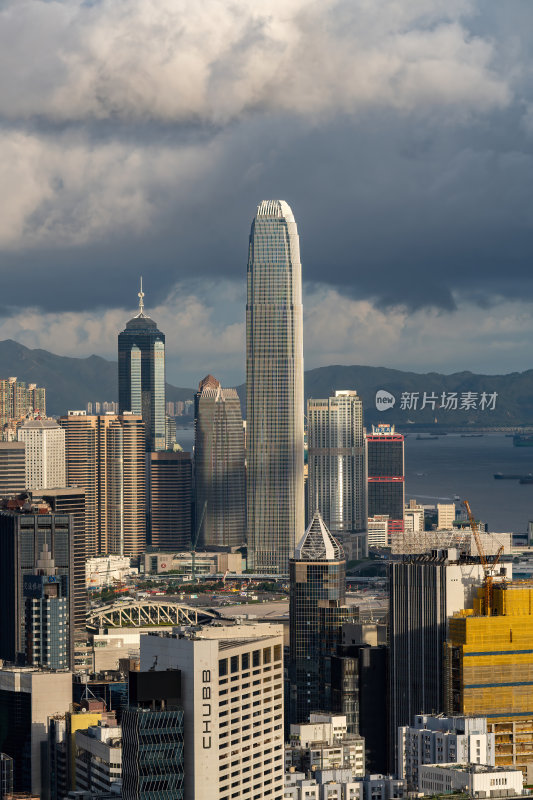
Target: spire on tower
[(140, 295)]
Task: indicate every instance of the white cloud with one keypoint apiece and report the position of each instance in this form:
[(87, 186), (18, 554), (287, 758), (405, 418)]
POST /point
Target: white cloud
[(206, 333), (184, 61)]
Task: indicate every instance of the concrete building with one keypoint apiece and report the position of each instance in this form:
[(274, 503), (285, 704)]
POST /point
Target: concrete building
[(442, 740), (340, 784), (141, 375), (324, 743), (48, 641), (45, 453), (488, 669), (219, 471), (232, 696), (157, 562), (28, 697), (386, 476), (413, 517), (106, 457), (424, 591), (12, 468), (170, 500), (336, 459), (99, 757), (107, 571), (445, 516), (18, 399), (378, 530), (274, 390), (474, 780)]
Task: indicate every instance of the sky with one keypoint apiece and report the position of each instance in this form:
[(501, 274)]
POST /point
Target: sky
[(138, 137)]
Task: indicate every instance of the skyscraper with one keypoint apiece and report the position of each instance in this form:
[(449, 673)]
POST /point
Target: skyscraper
[(219, 466), (47, 615), (106, 457), (385, 471), (316, 612), (274, 389), (336, 458), (141, 375), (45, 453), (170, 500), (12, 468)]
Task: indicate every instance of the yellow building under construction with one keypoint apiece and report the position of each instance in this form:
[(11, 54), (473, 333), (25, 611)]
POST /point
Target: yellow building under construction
[(488, 669)]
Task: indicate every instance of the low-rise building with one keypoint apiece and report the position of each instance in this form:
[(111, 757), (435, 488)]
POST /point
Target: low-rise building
[(340, 784), (475, 780), (107, 570), (442, 740), (323, 743), (205, 563)]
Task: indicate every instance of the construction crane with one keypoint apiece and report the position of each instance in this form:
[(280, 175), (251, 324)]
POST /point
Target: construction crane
[(195, 542), (488, 566)]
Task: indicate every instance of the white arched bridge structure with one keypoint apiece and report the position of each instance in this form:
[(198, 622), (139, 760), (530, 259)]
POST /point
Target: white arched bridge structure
[(143, 614)]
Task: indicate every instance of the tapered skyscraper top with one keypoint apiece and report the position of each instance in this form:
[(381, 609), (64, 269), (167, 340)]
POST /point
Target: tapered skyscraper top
[(274, 389)]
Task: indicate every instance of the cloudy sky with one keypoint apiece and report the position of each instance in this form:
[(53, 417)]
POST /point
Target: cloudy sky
[(138, 136)]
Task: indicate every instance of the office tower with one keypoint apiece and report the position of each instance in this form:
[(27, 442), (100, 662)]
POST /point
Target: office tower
[(274, 389), (12, 468), (317, 575), (356, 686), (141, 375), (18, 399), (424, 591), (106, 457), (47, 615), (336, 458), (45, 452), (99, 756), (488, 668), (170, 432), (6, 776), (442, 740), (71, 500), (170, 500), (445, 516), (378, 530), (219, 466), (152, 735), (232, 697), (28, 698), (386, 476)]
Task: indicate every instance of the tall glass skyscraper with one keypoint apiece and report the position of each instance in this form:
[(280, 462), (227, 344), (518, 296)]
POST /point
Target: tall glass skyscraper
[(141, 375), (274, 389)]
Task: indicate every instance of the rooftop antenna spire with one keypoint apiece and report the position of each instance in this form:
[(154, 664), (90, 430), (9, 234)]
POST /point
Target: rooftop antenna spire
[(140, 295)]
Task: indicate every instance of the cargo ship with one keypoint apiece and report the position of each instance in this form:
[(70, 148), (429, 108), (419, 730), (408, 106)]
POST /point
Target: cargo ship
[(523, 440)]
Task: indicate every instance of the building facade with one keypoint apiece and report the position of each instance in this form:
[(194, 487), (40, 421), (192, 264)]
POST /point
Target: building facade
[(336, 458), (219, 468), (45, 453), (170, 500), (386, 475), (141, 375), (47, 615), (274, 389), (232, 695), (98, 765), (424, 591), (12, 468), (106, 458), (17, 399)]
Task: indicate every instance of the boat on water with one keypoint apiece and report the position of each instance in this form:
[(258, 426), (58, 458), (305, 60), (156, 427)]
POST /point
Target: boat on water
[(526, 479), (471, 435), (523, 440), (456, 497), (426, 438), (500, 476)]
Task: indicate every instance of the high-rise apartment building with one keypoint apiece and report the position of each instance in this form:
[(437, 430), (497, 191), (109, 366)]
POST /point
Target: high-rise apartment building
[(106, 457), (424, 592), (17, 399), (141, 375), (232, 696), (219, 472), (445, 516), (26, 528), (170, 500), (489, 668), (12, 468), (336, 458), (153, 734), (316, 610), (386, 475), (274, 389), (47, 615), (45, 453)]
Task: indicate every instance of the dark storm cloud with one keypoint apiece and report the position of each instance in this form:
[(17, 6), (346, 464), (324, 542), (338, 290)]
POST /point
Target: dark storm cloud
[(410, 183)]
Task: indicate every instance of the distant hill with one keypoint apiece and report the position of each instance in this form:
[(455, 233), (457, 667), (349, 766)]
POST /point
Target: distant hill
[(71, 382)]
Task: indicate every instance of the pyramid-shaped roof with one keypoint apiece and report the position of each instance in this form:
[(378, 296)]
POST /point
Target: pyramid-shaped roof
[(317, 543)]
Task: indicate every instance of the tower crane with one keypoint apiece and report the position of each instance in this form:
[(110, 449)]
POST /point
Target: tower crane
[(488, 566)]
